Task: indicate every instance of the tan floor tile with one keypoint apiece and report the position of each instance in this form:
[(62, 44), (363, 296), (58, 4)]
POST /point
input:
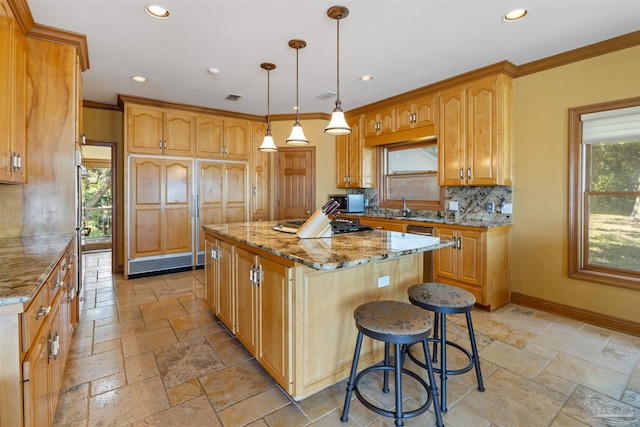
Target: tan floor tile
[(185, 391), (202, 331), (603, 380), (192, 320), (332, 419), (621, 353), (107, 321), (563, 420), (232, 385), (118, 330), (83, 329), (514, 359), (501, 329), (324, 401), (108, 383), (253, 408), (196, 412), (555, 382), (289, 415), (186, 360), (98, 313), (512, 400), (147, 341), (162, 310), (73, 405), (91, 368), (142, 298), (586, 345), (128, 313), (194, 304), (107, 345), (231, 351), (128, 404), (140, 367), (596, 409)]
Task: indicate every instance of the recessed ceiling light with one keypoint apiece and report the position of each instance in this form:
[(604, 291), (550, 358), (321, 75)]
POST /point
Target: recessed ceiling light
[(213, 71), (139, 79), (365, 78), (156, 11), (515, 15)]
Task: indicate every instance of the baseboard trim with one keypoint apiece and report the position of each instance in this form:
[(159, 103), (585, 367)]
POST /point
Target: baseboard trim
[(598, 319)]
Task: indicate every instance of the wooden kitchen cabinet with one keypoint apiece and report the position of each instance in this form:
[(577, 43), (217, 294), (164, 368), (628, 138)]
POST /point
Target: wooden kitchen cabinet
[(247, 297), (260, 177), (222, 138), (379, 123), (382, 224), (219, 292), (13, 71), (355, 163), (417, 113), (154, 130), (475, 137), (480, 262), (159, 209)]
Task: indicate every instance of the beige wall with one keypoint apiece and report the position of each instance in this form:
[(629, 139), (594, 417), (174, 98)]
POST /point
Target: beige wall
[(540, 232), (325, 153)]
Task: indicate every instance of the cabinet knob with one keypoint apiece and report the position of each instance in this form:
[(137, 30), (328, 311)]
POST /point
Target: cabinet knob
[(43, 312)]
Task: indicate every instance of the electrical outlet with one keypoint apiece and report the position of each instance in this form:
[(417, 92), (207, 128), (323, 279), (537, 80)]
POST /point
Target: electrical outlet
[(491, 207), (383, 281), (507, 208), (453, 206)]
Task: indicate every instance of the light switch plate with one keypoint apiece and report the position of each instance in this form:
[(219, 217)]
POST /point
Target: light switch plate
[(453, 206), (507, 208), (383, 281)]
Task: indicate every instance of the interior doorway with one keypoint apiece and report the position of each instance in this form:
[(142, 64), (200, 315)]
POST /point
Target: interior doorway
[(99, 197), (295, 182)]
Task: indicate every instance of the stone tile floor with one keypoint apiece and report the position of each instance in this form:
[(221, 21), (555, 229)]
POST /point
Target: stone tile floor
[(149, 352)]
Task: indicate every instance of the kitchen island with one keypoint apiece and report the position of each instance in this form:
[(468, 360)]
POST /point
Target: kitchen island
[(290, 301)]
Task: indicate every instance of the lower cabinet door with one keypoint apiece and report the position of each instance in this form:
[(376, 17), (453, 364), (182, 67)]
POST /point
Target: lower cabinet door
[(36, 375), (247, 298), (275, 346), (226, 299)]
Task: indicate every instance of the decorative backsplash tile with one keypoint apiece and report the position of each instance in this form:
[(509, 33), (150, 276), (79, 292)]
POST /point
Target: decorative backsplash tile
[(472, 203)]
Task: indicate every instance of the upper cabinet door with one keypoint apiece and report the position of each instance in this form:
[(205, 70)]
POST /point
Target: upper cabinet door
[(179, 134), (237, 139), (144, 129), (451, 137), (209, 136), (482, 133)]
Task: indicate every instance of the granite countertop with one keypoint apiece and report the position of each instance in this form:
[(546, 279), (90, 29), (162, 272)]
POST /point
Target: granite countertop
[(466, 222), (26, 263), (339, 251)]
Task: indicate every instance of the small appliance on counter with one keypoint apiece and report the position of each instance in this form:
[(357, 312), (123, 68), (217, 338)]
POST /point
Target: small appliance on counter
[(349, 203)]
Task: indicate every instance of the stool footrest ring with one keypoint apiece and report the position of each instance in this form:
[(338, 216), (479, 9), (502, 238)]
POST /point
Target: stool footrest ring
[(438, 370), (385, 412)]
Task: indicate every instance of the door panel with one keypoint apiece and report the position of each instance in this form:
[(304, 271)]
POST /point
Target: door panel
[(179, 134), (144, 129), (247, 298), (177, 230), (296, 189), (209, 136)]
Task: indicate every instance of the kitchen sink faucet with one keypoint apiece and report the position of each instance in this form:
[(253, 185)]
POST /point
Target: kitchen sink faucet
[(405, 210)]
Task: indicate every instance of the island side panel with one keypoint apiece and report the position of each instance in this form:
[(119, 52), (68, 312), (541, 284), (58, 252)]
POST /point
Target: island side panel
[(325, 332)]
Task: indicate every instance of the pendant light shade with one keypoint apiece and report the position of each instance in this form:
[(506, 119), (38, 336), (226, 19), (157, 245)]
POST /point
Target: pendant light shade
[(267, 144), (297, 135), (338, 125)]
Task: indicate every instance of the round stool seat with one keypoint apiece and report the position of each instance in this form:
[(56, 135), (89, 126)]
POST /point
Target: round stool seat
[(441, 298), (393, 321)]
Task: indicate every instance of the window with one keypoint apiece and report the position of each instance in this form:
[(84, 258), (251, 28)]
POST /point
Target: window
[(604, 193), (410, 171)]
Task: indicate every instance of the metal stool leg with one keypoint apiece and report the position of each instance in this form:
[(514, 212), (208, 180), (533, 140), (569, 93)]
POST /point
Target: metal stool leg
[(385, 384), (398, 372), (435, 337), (432, 381), (443, 361), (474, 349), (352, 377)]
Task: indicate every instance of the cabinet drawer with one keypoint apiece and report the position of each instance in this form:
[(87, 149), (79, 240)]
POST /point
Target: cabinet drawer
[(36, 315)]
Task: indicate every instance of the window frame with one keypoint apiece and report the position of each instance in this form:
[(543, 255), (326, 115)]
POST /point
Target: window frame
[(577, 222), (383, 202)]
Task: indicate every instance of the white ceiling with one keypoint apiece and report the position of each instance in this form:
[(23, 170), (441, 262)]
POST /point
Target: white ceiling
[(404, 44)]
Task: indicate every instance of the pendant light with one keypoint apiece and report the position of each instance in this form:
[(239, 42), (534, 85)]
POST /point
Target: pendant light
[(267, 144), (297, 135), (338, 125)]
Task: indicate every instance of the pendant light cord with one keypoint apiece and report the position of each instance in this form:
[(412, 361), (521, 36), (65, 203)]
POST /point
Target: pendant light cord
[(269, 102), (297, 102), (338, 102)]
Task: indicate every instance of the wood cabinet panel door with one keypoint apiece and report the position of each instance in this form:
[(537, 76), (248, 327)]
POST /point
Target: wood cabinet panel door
[(226, 298), (6, 62), (425, 110), (469, 257), (209, 135), (452, 137), (260, 178), (247, 299), (482, 133), (146, 207), (144, 129), (342, 160), (237, 139), (446, 262), (177, 206), (275, 345), (19, 134), (355, 156), (212, 273), (37, 404), (179, 134), (211, 181), (236, 193), (404, 116)]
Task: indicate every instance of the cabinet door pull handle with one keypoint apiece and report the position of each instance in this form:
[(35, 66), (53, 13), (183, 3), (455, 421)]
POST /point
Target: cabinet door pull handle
[(43, 312), (259, 275), (459, 244), (252, 275), (56, 285), (55, 346), (160, 147), (461, 174), (469, 173)]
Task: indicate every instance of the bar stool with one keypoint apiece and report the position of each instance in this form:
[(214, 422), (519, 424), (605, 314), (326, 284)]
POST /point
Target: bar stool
[(442, 300), (400, 324)]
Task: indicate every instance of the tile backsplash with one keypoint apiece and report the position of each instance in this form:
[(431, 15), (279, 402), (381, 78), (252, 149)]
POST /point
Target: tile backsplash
[(472, 203)]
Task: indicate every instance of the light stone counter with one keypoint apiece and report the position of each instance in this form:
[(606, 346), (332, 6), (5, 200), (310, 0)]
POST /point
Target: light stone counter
[(339, 251), (26, 263)]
